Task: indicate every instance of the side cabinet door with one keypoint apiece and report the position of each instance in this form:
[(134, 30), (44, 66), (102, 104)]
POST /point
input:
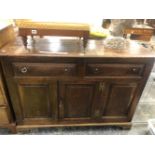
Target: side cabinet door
[(34, 99), (77, 100), (119, 101)]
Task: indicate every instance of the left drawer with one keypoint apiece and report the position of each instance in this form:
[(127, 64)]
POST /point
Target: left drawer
[(45, 69), (4, 117)]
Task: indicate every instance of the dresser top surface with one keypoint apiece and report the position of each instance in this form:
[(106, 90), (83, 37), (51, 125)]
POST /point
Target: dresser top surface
[(73, 48)]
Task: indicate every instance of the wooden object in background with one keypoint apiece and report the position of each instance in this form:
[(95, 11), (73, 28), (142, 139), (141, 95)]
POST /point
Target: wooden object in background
[(33, 28), (7, 34), (143, 34)]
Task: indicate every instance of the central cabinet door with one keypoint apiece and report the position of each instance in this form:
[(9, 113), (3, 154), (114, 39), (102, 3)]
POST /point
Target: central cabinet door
[(77, 100), (35, 99)]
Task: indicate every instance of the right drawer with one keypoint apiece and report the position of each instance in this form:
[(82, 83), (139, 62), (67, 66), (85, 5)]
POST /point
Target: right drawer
[(4, 118), (114, 69)]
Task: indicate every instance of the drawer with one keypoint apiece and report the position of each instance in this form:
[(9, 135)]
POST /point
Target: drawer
[(137, 31), (45, 69), (4, 118), (140, 31), (114, 69), (148, 32)]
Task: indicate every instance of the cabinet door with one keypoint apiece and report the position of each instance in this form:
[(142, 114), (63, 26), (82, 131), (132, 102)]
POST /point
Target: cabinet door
[(77, 100), (120, 99), (34, 99)]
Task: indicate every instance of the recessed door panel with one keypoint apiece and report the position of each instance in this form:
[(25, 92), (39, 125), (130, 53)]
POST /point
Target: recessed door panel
[(37, 99), (77, 99), (120, 97)]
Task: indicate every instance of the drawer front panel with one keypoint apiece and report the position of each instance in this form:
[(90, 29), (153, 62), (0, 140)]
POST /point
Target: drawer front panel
[(4, 115), (148, 32), (140, 31), (45, 69), (114, 70)]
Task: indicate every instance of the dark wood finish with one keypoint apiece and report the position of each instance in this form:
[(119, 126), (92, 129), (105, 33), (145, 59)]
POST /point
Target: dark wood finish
[(114, 69), (48, 69), (119, 100), (125, 126), (77, 99), (24, 32), (36, 99), (45, 95)]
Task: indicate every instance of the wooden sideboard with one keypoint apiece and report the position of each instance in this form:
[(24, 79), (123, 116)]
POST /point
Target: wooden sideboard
[(72, 86)]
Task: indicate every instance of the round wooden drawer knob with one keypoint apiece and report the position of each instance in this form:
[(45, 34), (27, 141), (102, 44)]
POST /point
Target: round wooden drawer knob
[(134, 69), (24, 70), (66, 69), (96, 69)]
